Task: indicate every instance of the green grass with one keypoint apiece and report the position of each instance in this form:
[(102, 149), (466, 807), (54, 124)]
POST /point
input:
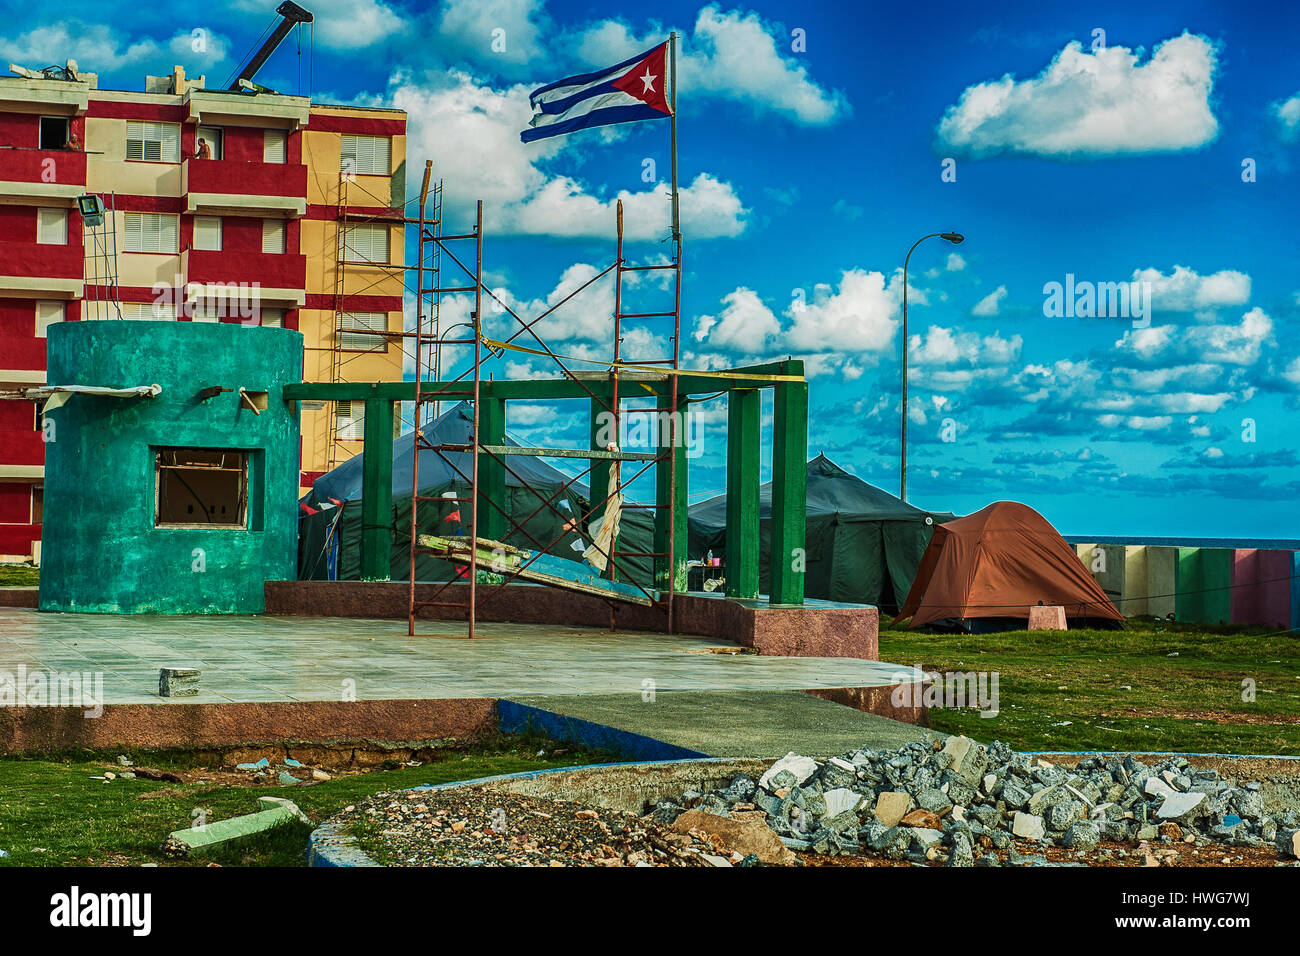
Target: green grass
[(19, 575), (1192, 702), (53, 814)]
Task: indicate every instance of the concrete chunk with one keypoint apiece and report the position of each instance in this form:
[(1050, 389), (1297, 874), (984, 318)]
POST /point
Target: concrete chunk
[(892, 807), (801, 768), (178, 681), (275, 811), (1027, 826)]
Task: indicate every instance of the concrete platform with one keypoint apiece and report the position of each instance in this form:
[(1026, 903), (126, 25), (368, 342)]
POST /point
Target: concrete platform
[(268, 679), (813, 629), (712, 723)]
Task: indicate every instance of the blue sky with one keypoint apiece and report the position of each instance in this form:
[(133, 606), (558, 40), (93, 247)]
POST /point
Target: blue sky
[(1114, 157)]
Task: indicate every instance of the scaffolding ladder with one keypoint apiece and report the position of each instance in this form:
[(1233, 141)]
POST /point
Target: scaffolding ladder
[(508, 561)]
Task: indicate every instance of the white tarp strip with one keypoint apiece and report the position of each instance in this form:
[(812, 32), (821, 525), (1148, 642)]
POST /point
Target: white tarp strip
[(59, 394)]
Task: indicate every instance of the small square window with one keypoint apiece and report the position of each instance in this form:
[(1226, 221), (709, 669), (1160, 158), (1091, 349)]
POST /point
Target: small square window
[(201, 488), (54, 132)]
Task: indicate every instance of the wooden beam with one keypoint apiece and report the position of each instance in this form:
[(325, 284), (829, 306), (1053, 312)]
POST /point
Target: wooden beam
[(377, 491), (491, 472), (688, 383), (744, 436), (671, 486), (789, 492)]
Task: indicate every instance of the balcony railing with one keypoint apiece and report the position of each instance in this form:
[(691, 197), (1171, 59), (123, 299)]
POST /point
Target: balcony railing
[(272, 279), (46, 174), (213, 182), (39, 270)]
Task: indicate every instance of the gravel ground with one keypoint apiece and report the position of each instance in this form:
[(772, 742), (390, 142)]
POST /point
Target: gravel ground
[(484, 827)]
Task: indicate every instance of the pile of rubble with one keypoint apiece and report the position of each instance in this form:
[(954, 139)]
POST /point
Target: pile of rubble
[(958, 802)]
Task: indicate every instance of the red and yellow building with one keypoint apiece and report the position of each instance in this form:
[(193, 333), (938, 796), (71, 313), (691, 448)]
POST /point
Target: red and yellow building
[(289, 214)]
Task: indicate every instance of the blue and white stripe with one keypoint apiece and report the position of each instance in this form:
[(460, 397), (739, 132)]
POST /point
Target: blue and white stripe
[(587, 100)]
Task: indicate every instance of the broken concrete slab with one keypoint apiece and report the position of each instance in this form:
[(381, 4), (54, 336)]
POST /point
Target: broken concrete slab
[(275, 811)]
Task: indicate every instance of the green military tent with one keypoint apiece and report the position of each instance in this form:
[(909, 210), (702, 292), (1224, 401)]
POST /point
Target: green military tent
[(329, 520), (863, 544)]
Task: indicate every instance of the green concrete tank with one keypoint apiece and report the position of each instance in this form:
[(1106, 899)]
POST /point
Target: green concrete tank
[(180, 503)]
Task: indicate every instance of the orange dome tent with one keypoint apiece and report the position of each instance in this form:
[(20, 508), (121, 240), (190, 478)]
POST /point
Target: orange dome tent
[(999, 562)]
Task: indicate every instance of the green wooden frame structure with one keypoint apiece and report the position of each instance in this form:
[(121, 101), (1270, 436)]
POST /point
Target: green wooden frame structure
[(743, 387)]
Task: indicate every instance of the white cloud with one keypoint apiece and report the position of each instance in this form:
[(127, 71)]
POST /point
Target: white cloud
[(1219, 344), (1184, 290), (1292, 373), (449, 110), (1087, 104), (1144, 423), (468, 27), (952, 360), (990, 303), (858, 317), (955, 262), (95, 47), (1287, 114), (743, 324), (731, 56)]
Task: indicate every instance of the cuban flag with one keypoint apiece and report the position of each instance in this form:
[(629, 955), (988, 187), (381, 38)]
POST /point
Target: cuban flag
[(633, 90)]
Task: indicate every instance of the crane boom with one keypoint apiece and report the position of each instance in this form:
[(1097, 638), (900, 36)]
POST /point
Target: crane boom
[(290, 16)]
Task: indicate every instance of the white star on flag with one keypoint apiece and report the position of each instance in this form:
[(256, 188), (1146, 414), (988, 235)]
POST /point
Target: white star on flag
[(649, 80)]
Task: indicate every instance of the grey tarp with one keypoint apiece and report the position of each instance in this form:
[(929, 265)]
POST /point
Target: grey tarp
[(863, 544), (329, 540)]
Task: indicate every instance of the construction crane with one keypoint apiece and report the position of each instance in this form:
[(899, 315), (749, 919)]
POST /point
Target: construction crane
[(290, 16)]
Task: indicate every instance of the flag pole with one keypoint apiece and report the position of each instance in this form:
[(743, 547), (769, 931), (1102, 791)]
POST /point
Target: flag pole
[(672, 106)]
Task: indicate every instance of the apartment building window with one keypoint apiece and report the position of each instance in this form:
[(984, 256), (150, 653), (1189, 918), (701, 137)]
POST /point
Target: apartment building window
[(54, 132), (52, 226), (363, 341), (275, 146), (214, 138), (273, 236), (207, 233), (154, 142), (272, 318), (205, 312), (149, 311), (150, 232), (349, 420), (364, 242), (366, 155), (47, 313)]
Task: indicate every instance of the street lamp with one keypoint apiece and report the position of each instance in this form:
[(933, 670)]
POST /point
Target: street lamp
[(955, 238)]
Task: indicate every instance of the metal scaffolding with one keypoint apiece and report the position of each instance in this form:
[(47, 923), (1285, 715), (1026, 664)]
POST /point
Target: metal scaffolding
[(487, 556)]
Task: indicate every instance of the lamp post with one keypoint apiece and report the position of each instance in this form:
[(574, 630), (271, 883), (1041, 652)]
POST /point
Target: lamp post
[(954, 238)]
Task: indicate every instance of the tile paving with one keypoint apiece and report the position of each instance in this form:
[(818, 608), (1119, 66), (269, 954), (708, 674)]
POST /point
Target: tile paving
[(267, 658)]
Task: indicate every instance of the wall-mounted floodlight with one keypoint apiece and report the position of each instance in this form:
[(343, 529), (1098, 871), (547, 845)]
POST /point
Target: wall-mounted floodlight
[(91, 208)]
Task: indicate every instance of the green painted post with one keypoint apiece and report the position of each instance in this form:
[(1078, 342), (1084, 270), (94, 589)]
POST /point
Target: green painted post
[(601, 435), (789, 488), (667, 489), (377, 490), (744, 407), (491, 472)]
